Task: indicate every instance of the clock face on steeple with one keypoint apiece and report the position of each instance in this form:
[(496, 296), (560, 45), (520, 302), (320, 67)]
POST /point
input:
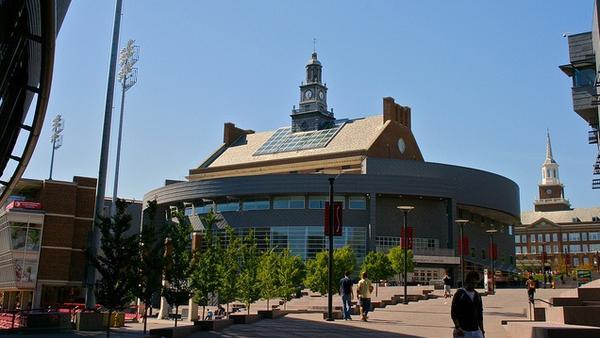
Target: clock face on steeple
[(321, 94), (308, 94)]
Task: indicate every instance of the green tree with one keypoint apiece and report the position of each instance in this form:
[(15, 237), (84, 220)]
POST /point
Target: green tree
[(151, 261), (177, 290), (248, 283), (229, 269), (378, 266), (117, 263), (269, 281), (396, 257), (317, 269), (290, 274), (205, 276)]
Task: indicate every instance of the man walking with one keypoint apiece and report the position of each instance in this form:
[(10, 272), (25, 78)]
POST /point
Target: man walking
[(363, 293), (447, 281), (467, 309), (346, 292)]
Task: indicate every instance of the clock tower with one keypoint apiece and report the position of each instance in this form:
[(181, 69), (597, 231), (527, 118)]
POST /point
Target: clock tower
[(312, 113), (552, 195)]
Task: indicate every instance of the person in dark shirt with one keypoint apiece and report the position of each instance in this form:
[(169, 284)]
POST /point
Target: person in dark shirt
[(346, 292), (447, 282), (467, 309)]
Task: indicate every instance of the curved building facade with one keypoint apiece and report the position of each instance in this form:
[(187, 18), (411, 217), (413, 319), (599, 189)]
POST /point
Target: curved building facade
[(277, 183)]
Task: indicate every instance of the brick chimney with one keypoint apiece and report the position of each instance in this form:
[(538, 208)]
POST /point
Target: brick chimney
[(231, 133), (395, 112)]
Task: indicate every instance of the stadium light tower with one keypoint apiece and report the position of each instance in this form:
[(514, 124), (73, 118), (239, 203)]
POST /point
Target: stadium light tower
[(128, 77), (58, 125)]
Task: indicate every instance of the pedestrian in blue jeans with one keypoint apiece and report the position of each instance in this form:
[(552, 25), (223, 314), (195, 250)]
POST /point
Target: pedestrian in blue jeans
[(346, 292)]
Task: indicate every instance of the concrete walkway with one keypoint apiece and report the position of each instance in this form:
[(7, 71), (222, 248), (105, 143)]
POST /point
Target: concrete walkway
[(430, 318)]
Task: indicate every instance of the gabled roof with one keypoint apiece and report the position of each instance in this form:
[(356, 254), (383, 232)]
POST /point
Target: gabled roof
[(357, 134), (561, 217)]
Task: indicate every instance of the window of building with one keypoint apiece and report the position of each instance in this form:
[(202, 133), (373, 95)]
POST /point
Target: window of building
[(533, 249), (518, 250), (584, 77), (532, 238), (318, 202), (288, 202), (511, 230), (575, 261), (547, 237), (524, 239), (594, 248), (555, 248), (482, 253), (555, 237), (576, 220), (548, 248), (595, 219), (204, 209), (357, 202), (586, 260), (256, 204), (574, 248), (584, 248), (524, 250), (540, 248), (189, 211), (574, 237), (594, 236), (517, 239), (565, 237), (584, 236), (473, 252), (540, 237), (228, 206)]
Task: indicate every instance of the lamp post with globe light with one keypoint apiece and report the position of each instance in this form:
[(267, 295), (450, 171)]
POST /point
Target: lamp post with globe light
[(405, 210)]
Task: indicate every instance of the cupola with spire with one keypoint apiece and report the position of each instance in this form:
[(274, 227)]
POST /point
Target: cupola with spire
[(550, 189), (312, 113)]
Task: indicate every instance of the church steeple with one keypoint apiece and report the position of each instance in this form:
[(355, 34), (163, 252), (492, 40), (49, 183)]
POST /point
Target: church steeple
[(312, 113), (550, 189)]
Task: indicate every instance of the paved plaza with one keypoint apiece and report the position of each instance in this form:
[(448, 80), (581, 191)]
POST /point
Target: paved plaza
[(428, 318)]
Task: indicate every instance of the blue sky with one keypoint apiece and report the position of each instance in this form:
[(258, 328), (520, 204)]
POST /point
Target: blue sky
[(481, 77)]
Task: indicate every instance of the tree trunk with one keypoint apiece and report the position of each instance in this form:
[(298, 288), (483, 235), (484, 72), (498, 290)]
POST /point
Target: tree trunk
[(248, 305), (268, 304), (227, 310), (145, 317), (108, 324), (176, 312), (376, 288), (203, 309)]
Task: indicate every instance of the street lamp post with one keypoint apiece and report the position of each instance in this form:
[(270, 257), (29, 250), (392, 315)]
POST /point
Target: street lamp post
[(492, 232), (330, 267), (58, 125), (405, 209), (461, 223)]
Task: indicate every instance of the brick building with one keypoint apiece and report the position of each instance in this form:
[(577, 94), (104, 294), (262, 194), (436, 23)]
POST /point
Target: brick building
[(44, 228), (555, 236)]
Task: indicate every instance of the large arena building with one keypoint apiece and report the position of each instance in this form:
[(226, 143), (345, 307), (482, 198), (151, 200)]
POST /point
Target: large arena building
[(277, 182)]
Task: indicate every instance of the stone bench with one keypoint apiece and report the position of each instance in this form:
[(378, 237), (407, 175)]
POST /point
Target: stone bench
[(244, 319), (213, 325)]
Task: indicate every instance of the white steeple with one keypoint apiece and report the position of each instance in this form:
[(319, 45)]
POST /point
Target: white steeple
[(550, 167)]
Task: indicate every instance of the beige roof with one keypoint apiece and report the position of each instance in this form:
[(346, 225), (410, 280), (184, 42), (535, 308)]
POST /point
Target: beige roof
[(564, 216), (356, 134)]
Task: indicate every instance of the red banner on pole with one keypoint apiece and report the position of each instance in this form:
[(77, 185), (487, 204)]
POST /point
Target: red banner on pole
[(463, 245), (337, 219), (493, 250), (407, 240)]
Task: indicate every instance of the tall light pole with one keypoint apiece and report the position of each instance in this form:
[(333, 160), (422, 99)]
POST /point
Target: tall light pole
[(90, 300), (461, 223), (330, 267), (128, 77), (405, 210), (58, 125), (491, 232)]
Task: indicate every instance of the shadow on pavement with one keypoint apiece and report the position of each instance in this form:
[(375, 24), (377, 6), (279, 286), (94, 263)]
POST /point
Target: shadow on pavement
[(292, 327)]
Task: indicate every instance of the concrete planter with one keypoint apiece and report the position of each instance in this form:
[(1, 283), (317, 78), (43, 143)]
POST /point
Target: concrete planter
[(90, 321), (244, 319), (213, 325), (271, 314)]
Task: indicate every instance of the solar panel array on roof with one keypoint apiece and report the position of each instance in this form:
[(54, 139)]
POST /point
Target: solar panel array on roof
[(283, 140)]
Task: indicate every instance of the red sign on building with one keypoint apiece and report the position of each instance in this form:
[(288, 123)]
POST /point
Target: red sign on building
[(24, 205), (463, 245), (337, 218)]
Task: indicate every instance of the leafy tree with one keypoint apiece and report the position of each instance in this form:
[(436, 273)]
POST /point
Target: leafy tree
[(396, 257), (117, 264), (317, 269), (151, 261), (205, 277), (269, 281), (248, 282), (290, 274), (378, 266), (229, 269), (177, 290)]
